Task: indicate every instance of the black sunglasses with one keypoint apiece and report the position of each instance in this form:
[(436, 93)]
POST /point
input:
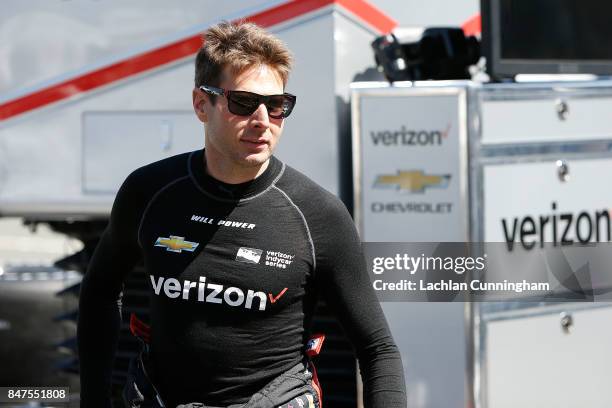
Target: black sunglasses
[(244, 103)]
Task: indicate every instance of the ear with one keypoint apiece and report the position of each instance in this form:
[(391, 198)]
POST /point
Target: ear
[(200, 103)]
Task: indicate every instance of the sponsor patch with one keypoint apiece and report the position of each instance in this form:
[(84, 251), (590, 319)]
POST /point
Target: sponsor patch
[(314, 344), (248, 255), (175, 243)]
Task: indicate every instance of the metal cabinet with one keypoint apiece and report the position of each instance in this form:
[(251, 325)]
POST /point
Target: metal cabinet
[(462, 161)]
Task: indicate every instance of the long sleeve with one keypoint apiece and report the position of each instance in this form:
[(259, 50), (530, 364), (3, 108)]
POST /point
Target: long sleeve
[(342, 277), (100, 297)]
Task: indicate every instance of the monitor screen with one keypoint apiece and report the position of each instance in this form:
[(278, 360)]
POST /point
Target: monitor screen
[(547, 36), (556, 29)]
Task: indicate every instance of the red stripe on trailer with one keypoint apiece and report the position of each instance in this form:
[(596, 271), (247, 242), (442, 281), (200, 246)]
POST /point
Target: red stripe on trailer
[(473, 26), (177, 50), (370, 14), (101, 77)]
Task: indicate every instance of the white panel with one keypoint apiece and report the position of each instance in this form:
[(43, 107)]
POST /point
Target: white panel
[(410, 167), (432, 341), (352, 51), (515, 191), (419, 133), (515, 121), (533, 363), (42, 150), (115, 143)]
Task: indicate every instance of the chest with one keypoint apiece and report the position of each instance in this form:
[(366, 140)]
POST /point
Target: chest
[(254, 255)]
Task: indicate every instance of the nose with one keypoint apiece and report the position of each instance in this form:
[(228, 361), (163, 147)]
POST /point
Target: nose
[(260, 117)]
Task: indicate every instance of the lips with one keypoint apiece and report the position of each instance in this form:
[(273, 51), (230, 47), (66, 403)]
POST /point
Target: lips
[(255, 143)]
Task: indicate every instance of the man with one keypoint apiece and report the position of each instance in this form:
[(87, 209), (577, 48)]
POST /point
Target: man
[(237, 246)]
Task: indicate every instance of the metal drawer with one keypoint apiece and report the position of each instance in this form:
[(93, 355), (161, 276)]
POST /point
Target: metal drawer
[(546, 120), (558, 357)]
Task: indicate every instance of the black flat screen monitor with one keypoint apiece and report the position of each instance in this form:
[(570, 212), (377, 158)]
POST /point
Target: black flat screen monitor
[(547, 37)]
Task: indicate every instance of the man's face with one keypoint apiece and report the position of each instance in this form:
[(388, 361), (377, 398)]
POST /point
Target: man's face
[(242, 141)]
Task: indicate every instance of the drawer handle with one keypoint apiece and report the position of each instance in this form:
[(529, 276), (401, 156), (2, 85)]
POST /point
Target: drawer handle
[(567, 321), (562, 109), (5, 324), (562, 170), (165, 130)]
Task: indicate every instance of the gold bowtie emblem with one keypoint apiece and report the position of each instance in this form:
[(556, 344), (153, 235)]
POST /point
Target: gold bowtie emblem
[(176, 244), (414, 181)]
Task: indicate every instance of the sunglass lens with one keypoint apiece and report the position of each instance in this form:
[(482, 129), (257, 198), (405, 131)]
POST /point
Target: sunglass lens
[(243, 103), (278, 106)]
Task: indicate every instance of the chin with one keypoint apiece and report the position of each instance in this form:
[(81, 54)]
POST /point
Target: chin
[(255, 159)]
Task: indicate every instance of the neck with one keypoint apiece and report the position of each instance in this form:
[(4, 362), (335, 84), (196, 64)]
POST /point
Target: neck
[(231, 173)]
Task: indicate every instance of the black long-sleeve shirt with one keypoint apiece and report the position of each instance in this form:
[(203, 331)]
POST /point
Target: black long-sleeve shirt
[(234, 273)]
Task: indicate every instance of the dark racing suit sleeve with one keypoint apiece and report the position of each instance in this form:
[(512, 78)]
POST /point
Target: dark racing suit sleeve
[(100, 297), (342, 278)]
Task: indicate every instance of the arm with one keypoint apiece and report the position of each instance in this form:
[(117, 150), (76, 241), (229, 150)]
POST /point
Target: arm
[(100, 298), (343, 279)]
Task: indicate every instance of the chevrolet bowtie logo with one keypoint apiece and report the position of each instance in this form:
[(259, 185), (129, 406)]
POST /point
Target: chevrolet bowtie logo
[(414, 181), (176, 244)]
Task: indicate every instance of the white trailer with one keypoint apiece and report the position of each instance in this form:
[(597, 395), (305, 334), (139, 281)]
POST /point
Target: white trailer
[(90, 92), (68, 142)]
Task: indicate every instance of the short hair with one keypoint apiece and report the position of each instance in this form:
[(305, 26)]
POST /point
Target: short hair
[(239, 46)]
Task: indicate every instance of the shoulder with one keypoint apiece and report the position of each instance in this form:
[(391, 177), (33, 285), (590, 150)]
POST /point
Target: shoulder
[(314, 201), (331, 227), (144, 182), (162, 171)]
